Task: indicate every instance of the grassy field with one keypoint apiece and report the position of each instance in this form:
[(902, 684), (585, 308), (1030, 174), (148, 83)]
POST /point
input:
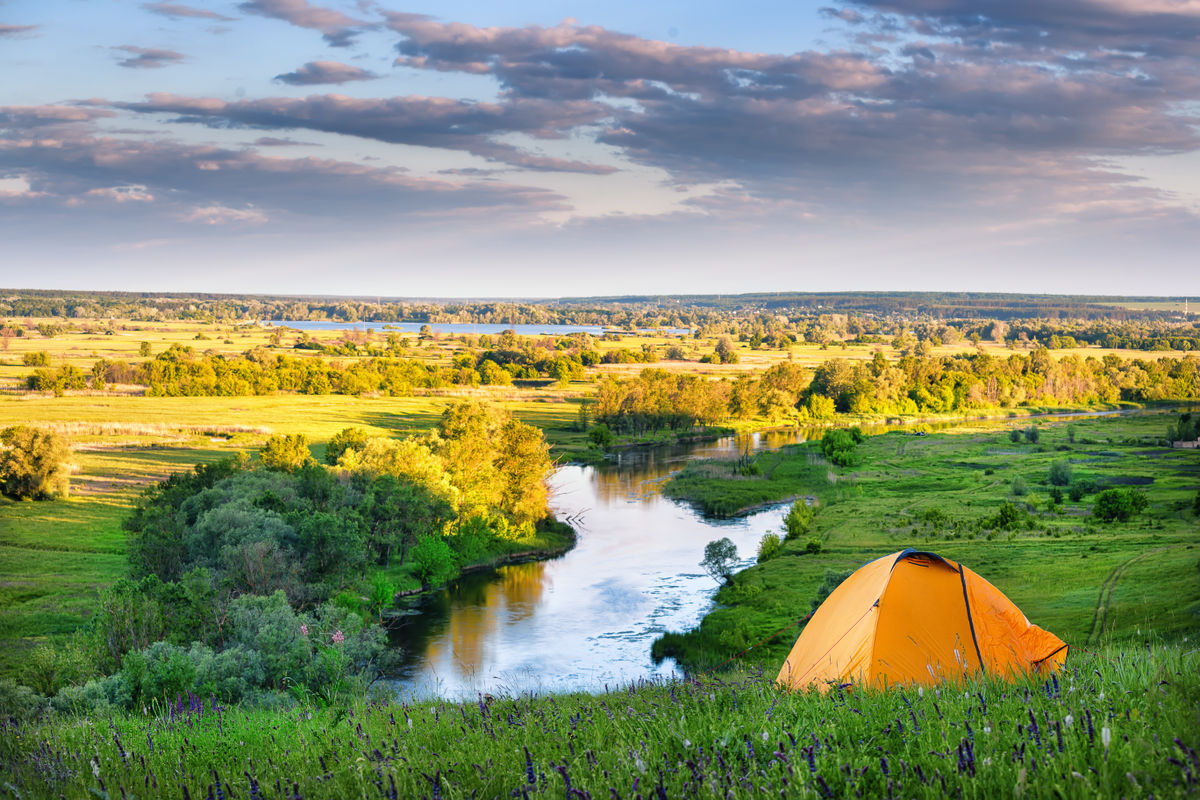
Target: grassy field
[(1119, 723), (1088, 582)]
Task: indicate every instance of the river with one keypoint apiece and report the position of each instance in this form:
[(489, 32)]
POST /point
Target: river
[(587, 618)]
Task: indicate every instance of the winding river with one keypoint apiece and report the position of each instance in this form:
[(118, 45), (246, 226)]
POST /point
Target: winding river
[(587, 618)]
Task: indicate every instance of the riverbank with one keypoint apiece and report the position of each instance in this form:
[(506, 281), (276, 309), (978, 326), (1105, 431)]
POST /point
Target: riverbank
[(1109, 724), (552, 539), (942, 492)]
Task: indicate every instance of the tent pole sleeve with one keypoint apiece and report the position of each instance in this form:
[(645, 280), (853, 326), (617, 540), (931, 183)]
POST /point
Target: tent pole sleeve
[(970, 620)]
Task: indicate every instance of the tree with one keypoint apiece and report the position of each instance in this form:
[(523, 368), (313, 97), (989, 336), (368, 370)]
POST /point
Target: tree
[(33, 463), (343, 440), (144, 349), (1118, 505), (798, 519), (286, 452), (725, 351), (768, 547), (1060, 473), (839, 446), (433, 560), (720, 557)]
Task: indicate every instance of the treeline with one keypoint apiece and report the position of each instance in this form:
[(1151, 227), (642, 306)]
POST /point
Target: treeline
[(182, 372), (913, 385), (616, 312)]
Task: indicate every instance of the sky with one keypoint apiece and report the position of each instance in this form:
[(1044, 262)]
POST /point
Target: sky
[(552, 149)]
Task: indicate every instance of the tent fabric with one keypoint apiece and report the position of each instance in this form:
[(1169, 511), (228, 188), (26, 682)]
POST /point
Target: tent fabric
[(916, 618)]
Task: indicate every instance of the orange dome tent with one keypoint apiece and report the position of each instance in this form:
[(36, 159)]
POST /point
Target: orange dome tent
[(916, 618)]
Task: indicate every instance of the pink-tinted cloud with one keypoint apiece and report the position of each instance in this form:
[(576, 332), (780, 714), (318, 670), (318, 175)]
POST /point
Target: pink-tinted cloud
[(337, 28), (181, 10), (323, 72), (14, 31), (148, 57)]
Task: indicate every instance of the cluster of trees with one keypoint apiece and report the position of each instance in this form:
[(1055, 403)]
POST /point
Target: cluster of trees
[(443, 499), (912, 385), (33, 463), (1186, 429)]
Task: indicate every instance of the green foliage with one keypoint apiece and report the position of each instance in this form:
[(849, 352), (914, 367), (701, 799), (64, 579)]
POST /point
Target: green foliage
[(720, 558), (1014, 436), (1032, 434), (840, 446), (1196, 505), (1007, 517), (33, 463), (286, 452), (812, 547), (433, 560), (1019, 486), (343, 440), (1119, 505), (601, 436), (1056, 496), (36, 359), (798, 519), (1060, 473), (1072, 431), (768, 547), (18, 702)]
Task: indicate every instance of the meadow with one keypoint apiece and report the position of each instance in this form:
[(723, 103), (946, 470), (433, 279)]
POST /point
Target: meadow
[(1089, 582), (1114, 723)]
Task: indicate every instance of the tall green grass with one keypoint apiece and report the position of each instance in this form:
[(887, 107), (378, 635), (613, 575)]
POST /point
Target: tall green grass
[(1118, 723)]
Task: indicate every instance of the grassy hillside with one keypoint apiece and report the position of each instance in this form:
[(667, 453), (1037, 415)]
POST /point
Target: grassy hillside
[(1086, 581)]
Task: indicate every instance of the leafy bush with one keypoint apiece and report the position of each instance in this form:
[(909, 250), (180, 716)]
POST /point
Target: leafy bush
[(1008, 517), (346, 439), (1014, 436), (33, 463), (17, 703), (1119, 505), (1019, 487), (812, 546), (839, 446), (433, 560), (1060, 473), (768, 547), (286, 452), (799, 519)]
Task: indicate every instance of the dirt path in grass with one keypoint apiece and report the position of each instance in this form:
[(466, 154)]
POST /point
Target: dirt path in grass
[(1100, 616)]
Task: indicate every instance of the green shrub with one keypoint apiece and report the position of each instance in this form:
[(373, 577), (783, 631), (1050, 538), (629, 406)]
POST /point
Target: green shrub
[(1060, 473), (433, 560), (90, 699), (18, 703), (346, 439), (286, 452), (812, 546), (1019, 487), (798, 519), (768, 547), (832, 580), (269, 626), (839, 446), (33, 463), (720, 557), (1118, 505)]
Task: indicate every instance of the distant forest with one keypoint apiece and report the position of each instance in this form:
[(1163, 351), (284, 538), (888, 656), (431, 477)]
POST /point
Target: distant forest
[(619, 312)]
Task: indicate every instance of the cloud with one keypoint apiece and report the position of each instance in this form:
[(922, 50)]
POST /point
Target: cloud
[(223, 215), (180, 10), (1152, 27), (338, 29), (317, 72), (930, 112), (16, 31), (425, 121), (148, 57), (62, 158)]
